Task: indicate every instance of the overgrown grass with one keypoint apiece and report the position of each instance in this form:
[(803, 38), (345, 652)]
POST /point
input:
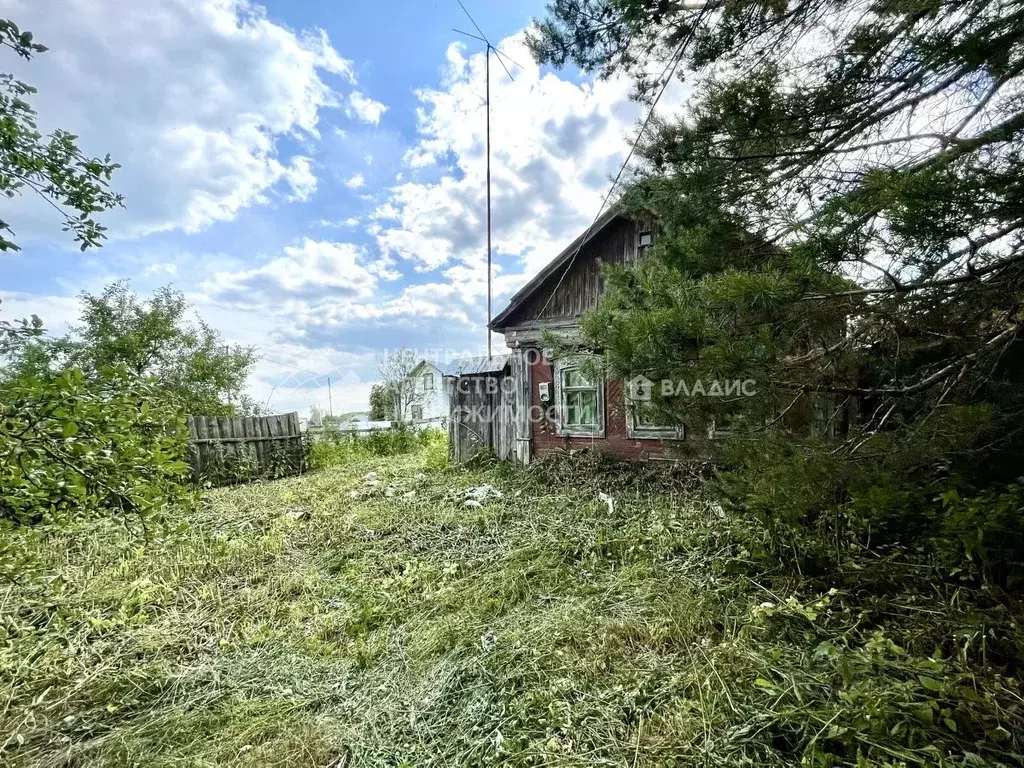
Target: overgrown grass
[(366, 615), (334, 448)]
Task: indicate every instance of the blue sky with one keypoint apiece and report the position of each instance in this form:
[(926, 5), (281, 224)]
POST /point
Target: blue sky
[(310, 174)]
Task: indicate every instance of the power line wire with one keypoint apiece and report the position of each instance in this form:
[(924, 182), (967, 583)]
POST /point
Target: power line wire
[(297, 368), (667, 75)]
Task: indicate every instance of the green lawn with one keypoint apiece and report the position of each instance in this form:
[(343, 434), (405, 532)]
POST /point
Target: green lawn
[(333, 621)]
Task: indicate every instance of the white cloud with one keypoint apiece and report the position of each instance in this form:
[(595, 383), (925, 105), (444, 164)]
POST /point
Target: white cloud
[(386, 211), (356, 181), (419, 157), (301, 179), (306, 272), (364, 108), (161, 269), (349, 223), (554, 144), (438, 307), (190, 96)]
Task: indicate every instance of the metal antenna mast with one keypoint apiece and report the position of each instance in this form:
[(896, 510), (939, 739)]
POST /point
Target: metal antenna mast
[(487, 72)]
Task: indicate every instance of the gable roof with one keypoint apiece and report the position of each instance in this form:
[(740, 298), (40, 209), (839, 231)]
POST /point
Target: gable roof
[(563, 259), (425, 361), (469, 366), (465, 366)]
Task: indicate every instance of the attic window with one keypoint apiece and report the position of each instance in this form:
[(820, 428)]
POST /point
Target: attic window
[(643, 243)]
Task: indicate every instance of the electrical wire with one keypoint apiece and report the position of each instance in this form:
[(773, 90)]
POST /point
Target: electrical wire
[(667, 75)]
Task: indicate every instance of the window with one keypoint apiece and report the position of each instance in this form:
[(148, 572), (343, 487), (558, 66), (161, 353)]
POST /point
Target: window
[(580, 399), (643, 244), (428, 382), (417, 413), (723, 426), (644, 422)]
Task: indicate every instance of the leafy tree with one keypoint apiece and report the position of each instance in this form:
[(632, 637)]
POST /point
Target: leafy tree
[(395, 370), (74, 447), (152, 339), (15, 334), (53, 166), (841, 212), (316, 415), (382, 403)]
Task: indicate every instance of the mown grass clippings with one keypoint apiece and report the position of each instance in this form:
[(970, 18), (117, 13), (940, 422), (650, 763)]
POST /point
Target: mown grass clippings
[(364, 615)]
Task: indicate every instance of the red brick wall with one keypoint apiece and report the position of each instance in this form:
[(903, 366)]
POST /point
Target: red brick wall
[(616, 440)]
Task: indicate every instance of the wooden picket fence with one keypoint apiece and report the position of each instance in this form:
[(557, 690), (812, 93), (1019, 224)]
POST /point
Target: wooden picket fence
[(232, 449)]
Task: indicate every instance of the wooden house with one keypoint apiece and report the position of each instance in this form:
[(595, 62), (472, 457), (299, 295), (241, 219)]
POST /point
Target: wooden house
[(551, 404), (539, 403)]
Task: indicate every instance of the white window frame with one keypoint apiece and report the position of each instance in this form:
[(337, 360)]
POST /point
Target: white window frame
[(723, 433), (641, 246), (718, 434), (412, 412), (639, 432), (562, 367), (428, 377)]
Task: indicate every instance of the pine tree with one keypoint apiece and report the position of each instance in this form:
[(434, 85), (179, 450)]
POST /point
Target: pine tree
[(842, 209)]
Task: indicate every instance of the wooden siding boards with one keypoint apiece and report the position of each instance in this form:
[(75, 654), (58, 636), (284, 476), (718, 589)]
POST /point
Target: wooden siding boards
[(483, 416), (521, 437), (556, 297), (268, 446), (565, 289), (581, 289)]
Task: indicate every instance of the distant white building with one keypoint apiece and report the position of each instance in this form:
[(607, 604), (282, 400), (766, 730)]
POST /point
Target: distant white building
[(429, 400)]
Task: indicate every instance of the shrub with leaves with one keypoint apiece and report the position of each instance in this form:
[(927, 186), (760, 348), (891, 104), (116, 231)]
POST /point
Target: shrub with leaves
[(74, 447), (435, 448), (335, 447), (53, 167), (153, 338)]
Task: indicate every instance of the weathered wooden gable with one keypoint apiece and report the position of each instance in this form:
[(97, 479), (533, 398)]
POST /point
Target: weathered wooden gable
[(560, 298)]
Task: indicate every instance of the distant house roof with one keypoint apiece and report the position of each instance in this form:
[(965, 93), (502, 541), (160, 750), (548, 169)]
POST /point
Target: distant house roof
[(561, 260), (426, 361), (470, 366)]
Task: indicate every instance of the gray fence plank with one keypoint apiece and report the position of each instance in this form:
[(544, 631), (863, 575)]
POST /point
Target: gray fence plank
[(223, 447)]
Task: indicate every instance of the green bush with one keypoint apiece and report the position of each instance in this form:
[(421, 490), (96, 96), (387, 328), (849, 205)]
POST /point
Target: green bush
[(817, 503), (230, 463), (435, 447), (73, 447), (335, 447), (986, 530)]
